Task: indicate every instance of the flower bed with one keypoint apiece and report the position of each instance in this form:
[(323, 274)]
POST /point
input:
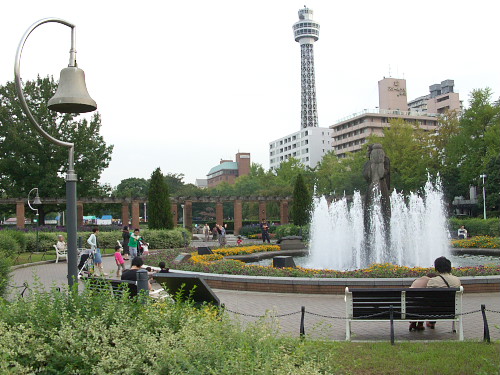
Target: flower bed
[(214, 263), (482, 242)]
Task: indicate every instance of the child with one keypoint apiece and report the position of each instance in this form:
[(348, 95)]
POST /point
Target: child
[(239, 241), (120, 262), (163, 268)]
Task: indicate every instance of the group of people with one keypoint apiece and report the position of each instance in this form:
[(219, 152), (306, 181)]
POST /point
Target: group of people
[(218, 233)]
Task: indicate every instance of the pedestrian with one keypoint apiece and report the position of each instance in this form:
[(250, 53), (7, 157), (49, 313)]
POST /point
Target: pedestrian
[(215, 233), (206, 232), (126, 239), (120, 262), (133, 243), (96, 251), (264, 227)]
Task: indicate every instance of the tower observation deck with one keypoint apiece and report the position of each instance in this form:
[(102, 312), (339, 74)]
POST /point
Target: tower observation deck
[(306, 32)]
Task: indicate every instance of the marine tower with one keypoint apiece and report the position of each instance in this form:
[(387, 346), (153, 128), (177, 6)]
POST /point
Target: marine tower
[(306, 32)]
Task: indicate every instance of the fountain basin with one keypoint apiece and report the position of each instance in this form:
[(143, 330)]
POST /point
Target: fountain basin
[(305, 285)]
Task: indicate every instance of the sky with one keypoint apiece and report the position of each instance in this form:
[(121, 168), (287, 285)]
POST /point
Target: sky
[(182, 85)]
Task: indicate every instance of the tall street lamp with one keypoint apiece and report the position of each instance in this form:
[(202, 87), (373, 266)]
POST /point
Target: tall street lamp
[(71, 97), (36, 202), (483, 176)]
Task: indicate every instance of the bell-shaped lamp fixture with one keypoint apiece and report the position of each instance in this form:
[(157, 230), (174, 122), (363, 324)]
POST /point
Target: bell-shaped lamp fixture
[(37, 200), (72, 95)]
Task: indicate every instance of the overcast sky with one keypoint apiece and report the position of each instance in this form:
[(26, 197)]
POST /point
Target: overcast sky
[(182, 84)]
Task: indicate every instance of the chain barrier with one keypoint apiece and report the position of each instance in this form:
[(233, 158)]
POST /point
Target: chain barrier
[(262, 316), (25, 286), (493, 311)]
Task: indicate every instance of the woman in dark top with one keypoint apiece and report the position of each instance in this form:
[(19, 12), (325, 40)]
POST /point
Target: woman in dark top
[(126, 238)]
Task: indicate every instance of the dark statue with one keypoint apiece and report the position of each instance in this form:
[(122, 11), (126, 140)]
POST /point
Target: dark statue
[(377, 172)]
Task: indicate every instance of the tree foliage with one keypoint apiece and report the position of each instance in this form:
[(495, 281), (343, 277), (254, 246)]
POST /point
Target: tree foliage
[(132, 188), (159, 208), (302, 200), (28, 160), (337, 176)]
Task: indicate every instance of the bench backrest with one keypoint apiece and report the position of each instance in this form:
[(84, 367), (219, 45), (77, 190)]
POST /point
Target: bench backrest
[(191, 284), (113, 286), (445, 302)]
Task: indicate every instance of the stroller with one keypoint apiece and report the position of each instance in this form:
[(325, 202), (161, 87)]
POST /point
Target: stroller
[(86, 262)]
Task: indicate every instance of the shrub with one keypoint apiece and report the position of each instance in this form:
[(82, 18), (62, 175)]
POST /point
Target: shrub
[(165, 239), (46, 241), (476, 226), (8, 245), (292, 230), (20, 238), (5, 264)]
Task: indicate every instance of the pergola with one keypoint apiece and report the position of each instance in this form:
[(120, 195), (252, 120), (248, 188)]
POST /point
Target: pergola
[(176, 201)]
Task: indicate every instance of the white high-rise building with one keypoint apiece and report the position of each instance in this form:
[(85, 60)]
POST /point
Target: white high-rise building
[(307, 146), (312, 142)]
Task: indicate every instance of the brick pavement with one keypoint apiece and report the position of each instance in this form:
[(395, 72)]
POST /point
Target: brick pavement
[(255, 303)]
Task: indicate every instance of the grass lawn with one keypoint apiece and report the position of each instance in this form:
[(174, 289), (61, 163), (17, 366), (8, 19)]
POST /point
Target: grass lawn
[(442, 358)]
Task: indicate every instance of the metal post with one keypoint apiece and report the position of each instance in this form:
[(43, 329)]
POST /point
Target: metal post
[(302, 328), (486, 330), (71, 227), (142, 283), (483, 176), (391, 316)]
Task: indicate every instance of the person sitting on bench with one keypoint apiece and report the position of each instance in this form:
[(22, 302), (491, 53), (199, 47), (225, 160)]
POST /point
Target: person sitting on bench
[(131, 274), (444, 280), (61, 244)]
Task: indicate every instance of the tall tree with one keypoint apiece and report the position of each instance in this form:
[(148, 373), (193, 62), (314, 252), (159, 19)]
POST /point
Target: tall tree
[(302, 200), (412, 154), (159, 207), (131, 188), (477, 144), (28, 160), (341, 176)]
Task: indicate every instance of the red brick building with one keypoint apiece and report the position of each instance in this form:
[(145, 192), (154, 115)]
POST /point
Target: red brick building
[(228, 170)]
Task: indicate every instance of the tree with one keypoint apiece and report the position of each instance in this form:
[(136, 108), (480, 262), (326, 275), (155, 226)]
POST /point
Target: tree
[(412, 154), (132, 188), (159, 208), (341, 176), (28, 160), (476, 146), (302, 201)]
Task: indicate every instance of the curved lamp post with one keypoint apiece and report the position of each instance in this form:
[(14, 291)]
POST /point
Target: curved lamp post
[(71, 97), (37, 202)]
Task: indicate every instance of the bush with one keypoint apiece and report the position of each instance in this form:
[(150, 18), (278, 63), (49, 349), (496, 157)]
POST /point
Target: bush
[(5, 264), (8, 245), (476, 226), (20, 238), (292, 230), (46, 241)]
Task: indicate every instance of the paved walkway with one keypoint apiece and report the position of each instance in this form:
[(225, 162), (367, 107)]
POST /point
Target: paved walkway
[(321, 325)]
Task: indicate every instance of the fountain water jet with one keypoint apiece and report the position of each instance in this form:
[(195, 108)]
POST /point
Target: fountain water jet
[(416, 235)]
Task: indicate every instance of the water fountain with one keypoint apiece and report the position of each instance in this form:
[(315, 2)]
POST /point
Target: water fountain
[(410, 231), (417, 233)]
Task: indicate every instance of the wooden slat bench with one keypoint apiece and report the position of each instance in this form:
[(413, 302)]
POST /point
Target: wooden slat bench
[(115, 287), (374, 304)]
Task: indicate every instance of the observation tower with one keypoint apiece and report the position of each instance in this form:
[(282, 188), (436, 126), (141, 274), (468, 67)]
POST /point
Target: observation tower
[(306, 32)]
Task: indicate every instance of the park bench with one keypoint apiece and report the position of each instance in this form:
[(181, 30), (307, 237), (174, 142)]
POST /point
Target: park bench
[(404, 305), (115, 287), (60, 254)]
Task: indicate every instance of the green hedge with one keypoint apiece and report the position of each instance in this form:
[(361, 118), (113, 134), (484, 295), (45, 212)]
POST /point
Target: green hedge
[(292, 230), (17, 241), (476, 226)]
